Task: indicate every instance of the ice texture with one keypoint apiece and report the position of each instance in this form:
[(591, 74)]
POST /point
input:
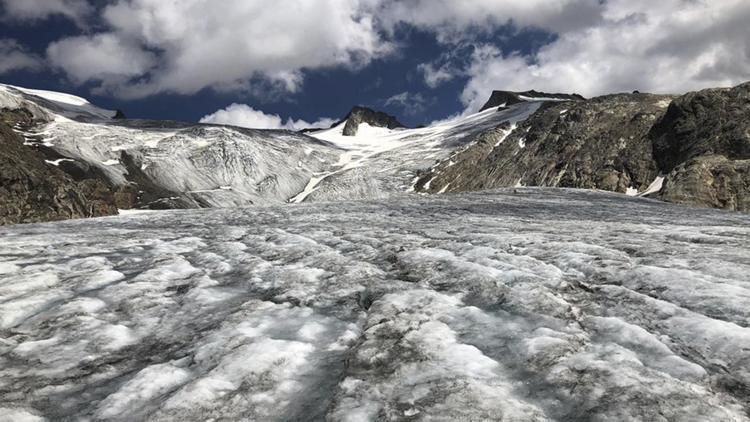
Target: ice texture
[(516, 305)]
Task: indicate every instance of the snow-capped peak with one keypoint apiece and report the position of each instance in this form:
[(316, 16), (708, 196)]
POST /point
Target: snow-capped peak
[(56, 104)]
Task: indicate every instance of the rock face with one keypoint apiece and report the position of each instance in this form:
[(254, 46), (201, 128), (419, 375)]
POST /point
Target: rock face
[(703, 145), (506, 98), (35, 190), (710, 181), (699, 142), (596, 144), (373, 118)]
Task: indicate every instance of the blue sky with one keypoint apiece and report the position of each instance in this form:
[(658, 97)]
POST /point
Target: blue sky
[(306, 60), (325, 92)]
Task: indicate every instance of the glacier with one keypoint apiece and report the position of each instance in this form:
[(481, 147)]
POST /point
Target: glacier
[(526, 304), (186, 165)]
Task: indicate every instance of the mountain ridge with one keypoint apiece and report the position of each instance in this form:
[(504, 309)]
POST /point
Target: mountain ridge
[(616, 142), (500, 98)]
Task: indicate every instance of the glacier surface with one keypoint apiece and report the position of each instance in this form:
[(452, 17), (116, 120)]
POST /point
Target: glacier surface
[(515, 305)]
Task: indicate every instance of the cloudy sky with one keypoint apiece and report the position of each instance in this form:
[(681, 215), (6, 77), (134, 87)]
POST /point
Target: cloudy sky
[(296, 63)]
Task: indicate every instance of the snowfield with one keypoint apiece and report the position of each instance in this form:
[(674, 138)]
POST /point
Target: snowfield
[(514, 305)]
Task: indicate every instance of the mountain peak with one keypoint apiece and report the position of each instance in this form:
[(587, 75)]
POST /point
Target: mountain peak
[(499, 98), (360, 114)]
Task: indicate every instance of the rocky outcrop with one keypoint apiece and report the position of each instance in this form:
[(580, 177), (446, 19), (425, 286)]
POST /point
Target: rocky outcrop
[(34, 190), (507, 98), (373, 118), (699, 142), (596, 144), (710, 181), (702, 144)]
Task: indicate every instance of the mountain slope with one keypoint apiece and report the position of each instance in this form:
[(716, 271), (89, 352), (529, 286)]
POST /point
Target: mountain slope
[(703, 144), (169, 164), (379, 162), (537, 305), (691, 149), (33, 188), (150, 164), (596, 144), (508, 98)]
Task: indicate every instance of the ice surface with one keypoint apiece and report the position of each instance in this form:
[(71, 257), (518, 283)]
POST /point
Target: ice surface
[(519, 305), (58, 105)]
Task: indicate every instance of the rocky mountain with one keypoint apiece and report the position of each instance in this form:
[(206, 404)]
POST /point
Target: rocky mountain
[(694, 146), (690, 149), (594, 144), (34, 189), (519, 303), (703, 144), (508, 98), (373, 118), (157, 165)]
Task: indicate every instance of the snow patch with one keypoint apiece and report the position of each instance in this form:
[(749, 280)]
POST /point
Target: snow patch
[(655, 186), (58, 161)]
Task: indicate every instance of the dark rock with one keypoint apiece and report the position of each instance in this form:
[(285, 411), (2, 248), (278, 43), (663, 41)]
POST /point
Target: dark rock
[(713, 121), (508, 98), (126, 197), (710, 181), (703, 143), (32, 190), (373, 118), (600, 143), (100, 199), (119, 115)]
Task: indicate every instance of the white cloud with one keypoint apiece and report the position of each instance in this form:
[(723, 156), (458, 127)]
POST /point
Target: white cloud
[(32, 10), (202, 44), (156, 46), (668, 46), (411, 103), (15, 57), (104, 57), (617, 45), (245, 116), (436, 75)]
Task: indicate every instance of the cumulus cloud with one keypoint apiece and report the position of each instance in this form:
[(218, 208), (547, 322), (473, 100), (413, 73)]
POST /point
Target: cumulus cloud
[(105, 57), (245, 116), (34, 10), (148, 47), (15, 57), (200, 44), (617, 45)]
